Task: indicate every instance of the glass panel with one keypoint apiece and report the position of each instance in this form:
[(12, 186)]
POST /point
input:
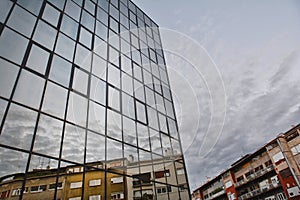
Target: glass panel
[(8, 75), (152, 118), (139, 91), (80, 81), (150, 97), (100, 47), (85, 37), (114, 98), (130, 153), (77, 109), (3, 105), (127, 84), (29, 89), (73, 10), (99, 67), (65, 47), (5, 8), (176, 147), (137, 71), (98, 90), (101, 30), (155, 142), (143, 136), (169, 108), (128, 106), (103, 5), (45, 35), (12, 163), (114, 128), (172, 128), (166, 145), (55, 100), (114, 150), (51, 15), (60, 71), (114, 12), (114, 56), (89, 6), (48, 136), (125, 48), (18, 134), (144, 156), (101, 15), (83, 57), (21, 20), (114, 76), (12, 45), (38, 59), (87, 20), (33, 6), (157, 85), (73, 144), (58, 3), (141, 112), (160, 103), (69, 27), (113, 25), (129, 132), (95, 150), (96, 117)]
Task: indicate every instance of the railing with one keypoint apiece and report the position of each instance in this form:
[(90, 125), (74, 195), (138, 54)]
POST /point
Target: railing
[(216, 195), (258, 191), (255, 175)]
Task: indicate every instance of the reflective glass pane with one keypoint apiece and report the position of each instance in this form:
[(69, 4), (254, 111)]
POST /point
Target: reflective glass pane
[(69, 27), (83, 57), (114, 56), (29, 89), (48, 136), (45, 35), (127, 84), (126, 65), (5, 6), (55, 100), (33, 5), (114, 128), (38, 59), (12, 45), (98, 90), (113, 25), (99, 67), (131, 153), (162, 123), (51, 15), (73, 10), (114, 76), (140, 112), (160, 103), (143, 136), (152, 118), (22, 21), (2, 108), (77, 109), (100, 47), (114, 98), (95, 149), (89, 6), (58, 3), (8, 75), (73, 144), (18, 127), (60, 71), (87, 20), (11, 163), (65, 47), (139, 91), (80, 81), (155, 142), (85, 37), (96, 117), (169, 108), (101, 30), (166, 145), (129, 131), (114, 150), (128, 106)]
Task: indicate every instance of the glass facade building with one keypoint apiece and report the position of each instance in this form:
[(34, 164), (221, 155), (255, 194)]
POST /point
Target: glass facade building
[(86, 110)]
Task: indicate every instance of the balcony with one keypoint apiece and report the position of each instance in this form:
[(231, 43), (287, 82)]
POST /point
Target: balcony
[(258, 191), (255, 175)]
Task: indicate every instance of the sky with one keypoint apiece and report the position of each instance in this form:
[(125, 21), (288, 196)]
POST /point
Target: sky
[(234, 71)]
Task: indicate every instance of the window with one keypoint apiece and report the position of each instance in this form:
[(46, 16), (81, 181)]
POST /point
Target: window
[(278, 157), (65, 47), (45, 35), (162, 190), (38, 59), (39, 188), (53, 186), (140, 112), (51, 15), (8, 75), (161, 174), (60, 71), (117, 196), (75, 198), (95, 197), (75, 185), (141, 179), (95, 182), (281, 196), (116, 180), (17, 192)]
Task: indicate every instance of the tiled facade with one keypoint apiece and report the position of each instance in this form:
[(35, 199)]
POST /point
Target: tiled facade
[(85, 81), (270, 173)]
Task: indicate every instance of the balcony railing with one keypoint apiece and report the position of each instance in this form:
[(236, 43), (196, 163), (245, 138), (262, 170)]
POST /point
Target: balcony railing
[(255, 175), (258, 191)]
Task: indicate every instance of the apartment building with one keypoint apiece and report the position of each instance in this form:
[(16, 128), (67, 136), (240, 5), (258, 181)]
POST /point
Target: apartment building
[(269, 173)]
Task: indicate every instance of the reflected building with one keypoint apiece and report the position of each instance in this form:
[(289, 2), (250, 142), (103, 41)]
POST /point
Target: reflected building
[(86, 109)]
